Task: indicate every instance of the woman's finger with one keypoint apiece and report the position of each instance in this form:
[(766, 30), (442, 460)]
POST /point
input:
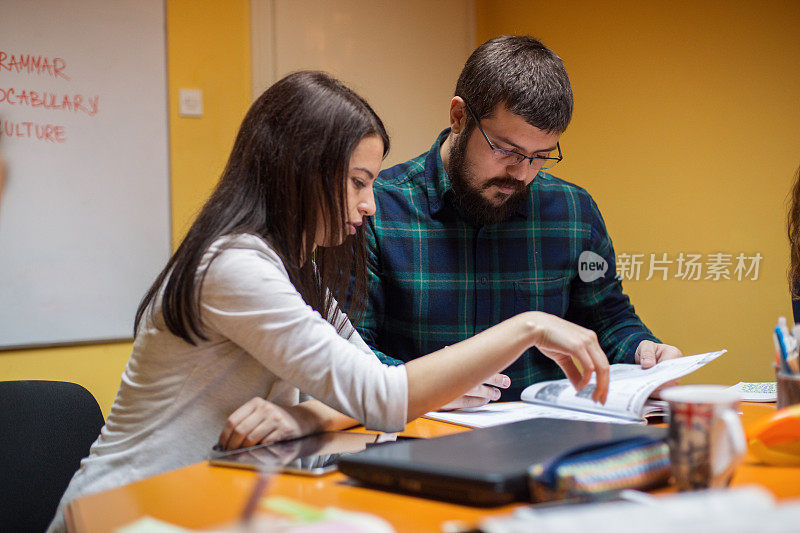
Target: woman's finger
[(601, 369), (592, 360), (260, 433), (243, 429), (570, 370), (235, 419), (564, 341), (580, 353)]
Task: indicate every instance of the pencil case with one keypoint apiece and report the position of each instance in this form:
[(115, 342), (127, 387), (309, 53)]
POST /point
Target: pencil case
[(585, 473)]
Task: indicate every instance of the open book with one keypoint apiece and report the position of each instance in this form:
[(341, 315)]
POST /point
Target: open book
[(627, 402)]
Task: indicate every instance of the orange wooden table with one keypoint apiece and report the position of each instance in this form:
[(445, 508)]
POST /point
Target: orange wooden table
[(202, 496)]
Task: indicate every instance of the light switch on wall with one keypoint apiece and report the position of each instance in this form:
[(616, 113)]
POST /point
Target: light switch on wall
[(190, 102)]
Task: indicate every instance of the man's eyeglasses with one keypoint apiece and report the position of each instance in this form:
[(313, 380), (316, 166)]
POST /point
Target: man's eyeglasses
[(510, 158)]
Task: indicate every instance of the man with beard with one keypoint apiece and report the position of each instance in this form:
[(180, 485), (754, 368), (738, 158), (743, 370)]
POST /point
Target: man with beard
[(477, 230)]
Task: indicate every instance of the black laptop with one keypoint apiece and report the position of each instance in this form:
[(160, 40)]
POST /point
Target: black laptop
[(481, 467)]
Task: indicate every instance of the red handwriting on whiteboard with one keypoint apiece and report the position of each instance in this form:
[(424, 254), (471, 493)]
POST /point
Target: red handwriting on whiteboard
[(31, 64), (45, 100), (32, 130)]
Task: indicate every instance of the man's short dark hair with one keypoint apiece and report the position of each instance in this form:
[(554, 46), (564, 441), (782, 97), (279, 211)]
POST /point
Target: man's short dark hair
[(524, 75)]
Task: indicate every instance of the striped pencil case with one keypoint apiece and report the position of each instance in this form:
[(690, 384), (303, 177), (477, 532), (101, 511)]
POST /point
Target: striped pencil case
[(587, 472)]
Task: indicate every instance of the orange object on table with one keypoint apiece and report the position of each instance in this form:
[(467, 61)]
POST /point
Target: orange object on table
[(775, 439), (203, 496)]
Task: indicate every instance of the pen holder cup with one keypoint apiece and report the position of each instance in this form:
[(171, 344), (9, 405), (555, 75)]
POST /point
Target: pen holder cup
[(788, 386)]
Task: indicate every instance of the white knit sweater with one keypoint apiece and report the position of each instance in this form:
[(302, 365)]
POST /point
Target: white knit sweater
[(263, 340)]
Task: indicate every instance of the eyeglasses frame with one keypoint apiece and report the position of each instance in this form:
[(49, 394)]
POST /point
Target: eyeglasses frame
[(511, 152)]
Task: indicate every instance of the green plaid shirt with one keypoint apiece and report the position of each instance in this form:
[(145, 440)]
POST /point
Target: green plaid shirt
[(434, 279)]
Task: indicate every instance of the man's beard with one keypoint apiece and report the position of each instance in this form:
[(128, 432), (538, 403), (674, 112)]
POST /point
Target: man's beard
[(467, 197)]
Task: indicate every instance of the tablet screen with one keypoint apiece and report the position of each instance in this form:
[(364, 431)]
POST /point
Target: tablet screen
[(312, 455)]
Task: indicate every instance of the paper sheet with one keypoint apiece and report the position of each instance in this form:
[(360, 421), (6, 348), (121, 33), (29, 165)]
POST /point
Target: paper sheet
[(494, 414), (744, 509), (148, 524)]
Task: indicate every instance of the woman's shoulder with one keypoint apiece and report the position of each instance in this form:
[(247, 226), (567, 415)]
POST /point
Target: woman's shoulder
[(241, 241), (240, 254), (240, 245)]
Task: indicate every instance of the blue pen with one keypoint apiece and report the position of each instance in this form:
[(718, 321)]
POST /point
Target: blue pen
[(784, 355)]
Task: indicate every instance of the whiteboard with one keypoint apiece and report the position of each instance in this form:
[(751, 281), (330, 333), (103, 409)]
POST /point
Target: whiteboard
[(84, 211)]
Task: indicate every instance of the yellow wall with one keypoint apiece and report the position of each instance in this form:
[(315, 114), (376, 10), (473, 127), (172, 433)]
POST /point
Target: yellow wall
[(687, 132), (208, 48)]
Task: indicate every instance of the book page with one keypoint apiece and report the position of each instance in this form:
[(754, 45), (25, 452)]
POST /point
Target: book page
[(629, 387), (494, 414)]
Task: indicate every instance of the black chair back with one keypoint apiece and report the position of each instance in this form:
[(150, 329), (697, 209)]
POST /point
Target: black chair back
[(46, 428)]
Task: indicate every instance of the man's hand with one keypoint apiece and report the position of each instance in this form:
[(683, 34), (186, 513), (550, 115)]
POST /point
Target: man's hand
[(260, 422), (648, 353), (480, 395)]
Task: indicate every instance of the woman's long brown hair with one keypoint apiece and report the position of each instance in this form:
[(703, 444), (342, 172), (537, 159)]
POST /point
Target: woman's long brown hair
[(288, 168), (794, 238)]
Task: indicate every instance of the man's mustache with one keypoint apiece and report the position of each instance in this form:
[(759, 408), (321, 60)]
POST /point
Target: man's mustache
[(509, 182)]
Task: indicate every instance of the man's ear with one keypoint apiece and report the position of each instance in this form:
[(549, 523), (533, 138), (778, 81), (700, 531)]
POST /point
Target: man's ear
[(458, 114)]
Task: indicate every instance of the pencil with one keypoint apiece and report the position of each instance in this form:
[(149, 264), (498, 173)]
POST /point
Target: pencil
[(252, 502), (793, 363)]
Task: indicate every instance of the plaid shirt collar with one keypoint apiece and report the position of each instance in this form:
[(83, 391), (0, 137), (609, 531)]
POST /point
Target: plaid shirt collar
[(440, 190)]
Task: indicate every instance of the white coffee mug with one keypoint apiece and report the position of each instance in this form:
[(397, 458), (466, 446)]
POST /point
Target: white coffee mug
[(706, 439)]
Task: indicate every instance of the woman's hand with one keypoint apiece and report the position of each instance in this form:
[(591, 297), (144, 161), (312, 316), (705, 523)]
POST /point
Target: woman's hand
[(450, 373), (261, 422), (564, 343)]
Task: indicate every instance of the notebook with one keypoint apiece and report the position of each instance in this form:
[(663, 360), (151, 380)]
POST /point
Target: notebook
[(482, 467)]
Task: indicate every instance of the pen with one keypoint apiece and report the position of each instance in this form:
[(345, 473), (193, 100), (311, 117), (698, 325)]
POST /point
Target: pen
[(782, 346)]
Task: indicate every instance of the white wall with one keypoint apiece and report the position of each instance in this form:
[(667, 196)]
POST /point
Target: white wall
[(403, 57)]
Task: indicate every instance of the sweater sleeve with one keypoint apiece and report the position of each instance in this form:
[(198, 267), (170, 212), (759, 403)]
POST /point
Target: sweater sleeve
[(248, 298)]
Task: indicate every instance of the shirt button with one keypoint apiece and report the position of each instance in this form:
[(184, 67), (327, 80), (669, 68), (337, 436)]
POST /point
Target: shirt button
[(483, 280)]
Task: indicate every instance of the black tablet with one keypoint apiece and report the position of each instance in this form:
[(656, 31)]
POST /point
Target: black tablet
[(314, 455)]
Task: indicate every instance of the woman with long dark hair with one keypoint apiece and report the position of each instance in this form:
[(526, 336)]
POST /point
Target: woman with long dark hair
[(247, 307)]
